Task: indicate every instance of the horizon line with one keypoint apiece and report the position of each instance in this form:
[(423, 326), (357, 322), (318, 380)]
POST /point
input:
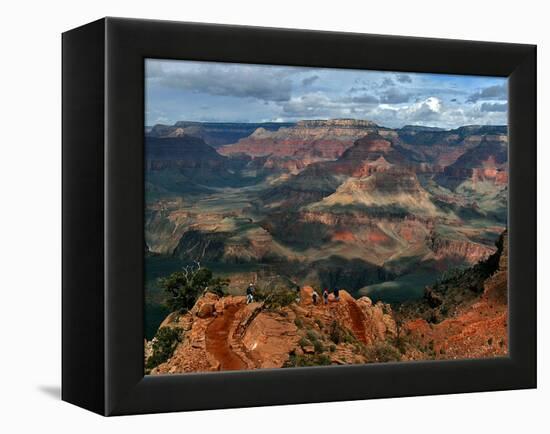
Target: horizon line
[(328, 119)]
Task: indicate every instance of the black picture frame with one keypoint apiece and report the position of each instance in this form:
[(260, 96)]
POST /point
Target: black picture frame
[(103, 196)]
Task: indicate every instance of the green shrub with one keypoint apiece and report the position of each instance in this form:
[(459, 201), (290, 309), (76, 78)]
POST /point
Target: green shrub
[(312, 336), (307, 360), (338, 334), (318, 346), (276, 298), (303, 342), (335, 332), (382, 352), (298, 322), (164, 343)]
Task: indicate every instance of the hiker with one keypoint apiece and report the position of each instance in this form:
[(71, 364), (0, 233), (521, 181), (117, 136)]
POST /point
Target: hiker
[(250, 293), (325, 296), (314, 297), (336, 294)]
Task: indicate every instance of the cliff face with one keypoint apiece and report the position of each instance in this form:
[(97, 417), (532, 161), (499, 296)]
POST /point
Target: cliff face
[(467, 315), (486, 162), (225, 333), (460, 249)]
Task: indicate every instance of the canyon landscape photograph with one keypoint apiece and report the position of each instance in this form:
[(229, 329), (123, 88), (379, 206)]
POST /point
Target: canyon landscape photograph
[(299, 216)]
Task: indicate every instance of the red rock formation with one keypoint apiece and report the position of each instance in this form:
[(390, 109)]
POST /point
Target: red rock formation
[(225, 333), (307, 141)]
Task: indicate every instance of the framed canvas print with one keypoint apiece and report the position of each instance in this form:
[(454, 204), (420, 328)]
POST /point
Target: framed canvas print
[(264, 216)]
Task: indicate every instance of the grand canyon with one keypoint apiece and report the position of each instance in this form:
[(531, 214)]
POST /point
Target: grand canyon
[(409, 224)]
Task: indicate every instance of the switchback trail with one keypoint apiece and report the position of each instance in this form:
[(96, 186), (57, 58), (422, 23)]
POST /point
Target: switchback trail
[(217, 341)]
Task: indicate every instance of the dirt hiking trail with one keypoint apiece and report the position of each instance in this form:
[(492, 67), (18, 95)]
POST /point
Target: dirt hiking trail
[(217, 341)]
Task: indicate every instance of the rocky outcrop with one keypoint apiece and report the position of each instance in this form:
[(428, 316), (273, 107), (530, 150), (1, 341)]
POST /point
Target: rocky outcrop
[(225, 333), (495, 288)]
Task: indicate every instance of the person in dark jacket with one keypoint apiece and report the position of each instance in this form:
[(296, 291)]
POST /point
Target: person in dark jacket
[(336, 294), (314, 296), (250, 293), (325, 296)]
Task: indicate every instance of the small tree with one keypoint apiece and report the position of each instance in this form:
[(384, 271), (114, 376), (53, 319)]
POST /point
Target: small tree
[(276, 298), (164, 344), (183, 288)]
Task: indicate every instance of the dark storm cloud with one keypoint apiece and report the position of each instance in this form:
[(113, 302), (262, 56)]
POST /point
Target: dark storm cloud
[(494, 107), (404, 78), (492, 92), (308, 81), (228, 81), (394, 96), (365, 98)]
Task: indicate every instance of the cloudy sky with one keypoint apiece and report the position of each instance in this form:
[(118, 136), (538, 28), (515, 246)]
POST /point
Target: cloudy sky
[(225, 92)]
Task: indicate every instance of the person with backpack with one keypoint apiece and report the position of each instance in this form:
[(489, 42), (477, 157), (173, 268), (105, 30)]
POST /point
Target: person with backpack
[(314, 296), (336, 294), (250, 293)]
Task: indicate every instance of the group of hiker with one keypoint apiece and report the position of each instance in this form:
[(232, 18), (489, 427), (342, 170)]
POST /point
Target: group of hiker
[(315, 296), (251, 290)]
